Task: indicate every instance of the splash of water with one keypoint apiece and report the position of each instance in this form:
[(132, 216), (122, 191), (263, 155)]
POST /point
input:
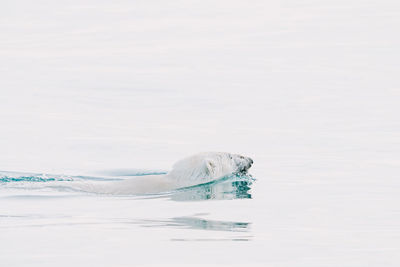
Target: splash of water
[(234, 186)]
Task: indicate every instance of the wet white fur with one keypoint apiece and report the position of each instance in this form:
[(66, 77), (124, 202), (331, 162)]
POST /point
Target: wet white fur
[(196, 169)]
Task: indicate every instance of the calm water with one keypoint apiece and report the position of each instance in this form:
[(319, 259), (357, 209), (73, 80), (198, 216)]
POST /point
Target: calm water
[(94, 91)]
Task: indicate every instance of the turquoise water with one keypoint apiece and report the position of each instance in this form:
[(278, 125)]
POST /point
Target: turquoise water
[(235, 186)]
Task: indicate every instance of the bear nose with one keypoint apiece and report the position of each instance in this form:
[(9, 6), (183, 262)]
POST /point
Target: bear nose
[(251, 161)]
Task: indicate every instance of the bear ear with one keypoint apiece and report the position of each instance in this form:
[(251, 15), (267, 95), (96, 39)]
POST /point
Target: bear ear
[(210, 166)]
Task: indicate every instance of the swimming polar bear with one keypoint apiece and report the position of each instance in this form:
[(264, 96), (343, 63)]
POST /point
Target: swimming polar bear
[(196, 169)]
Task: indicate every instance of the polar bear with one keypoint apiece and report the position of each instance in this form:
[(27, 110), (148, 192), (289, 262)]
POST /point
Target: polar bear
[(207, 166), (197, 169)]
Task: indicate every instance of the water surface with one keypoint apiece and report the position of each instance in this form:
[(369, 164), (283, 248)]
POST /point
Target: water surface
[(96, 91)]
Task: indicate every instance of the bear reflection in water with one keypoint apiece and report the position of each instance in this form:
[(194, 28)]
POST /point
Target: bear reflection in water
[(232, 187)]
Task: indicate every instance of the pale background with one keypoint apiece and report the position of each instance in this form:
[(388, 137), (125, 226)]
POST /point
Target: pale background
[(309, 89)]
